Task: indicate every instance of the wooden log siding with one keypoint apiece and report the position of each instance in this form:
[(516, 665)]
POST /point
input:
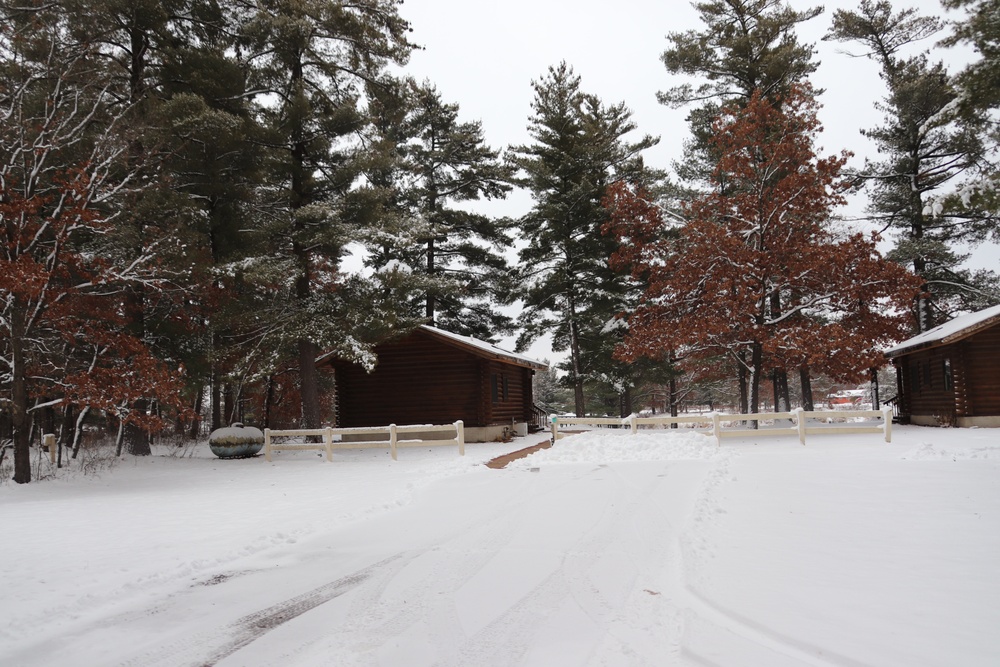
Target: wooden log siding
[(420, 379), (974, 390), (512, 385), (417, 381), (929, 395), (981, 353)]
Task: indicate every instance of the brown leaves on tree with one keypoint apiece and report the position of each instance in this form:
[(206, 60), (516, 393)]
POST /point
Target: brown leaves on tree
[(758, 272)]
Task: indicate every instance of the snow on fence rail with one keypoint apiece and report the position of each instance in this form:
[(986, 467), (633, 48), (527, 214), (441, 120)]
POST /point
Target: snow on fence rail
[(799, 416), (393, 432)]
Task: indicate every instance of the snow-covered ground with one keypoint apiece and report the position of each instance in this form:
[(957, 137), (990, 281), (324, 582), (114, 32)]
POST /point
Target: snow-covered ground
[(604, 550)]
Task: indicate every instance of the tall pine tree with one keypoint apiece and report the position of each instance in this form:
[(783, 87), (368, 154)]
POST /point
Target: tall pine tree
[(442, 164), (929, 149), (579, 149), (310, 61)]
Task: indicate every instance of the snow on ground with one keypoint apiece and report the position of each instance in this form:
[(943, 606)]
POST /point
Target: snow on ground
[(607, 549)]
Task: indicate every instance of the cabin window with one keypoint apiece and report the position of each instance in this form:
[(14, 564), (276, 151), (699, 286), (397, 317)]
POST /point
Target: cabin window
[(928, 375), (949, 379), (494, 388), (915, 377)]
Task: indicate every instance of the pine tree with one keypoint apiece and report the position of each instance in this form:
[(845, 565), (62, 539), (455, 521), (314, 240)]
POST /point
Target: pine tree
[(929, 149), (979, 84), (442, 164), (144, 50), (579, 149), (746, 46), (312, 59), (981, 79)]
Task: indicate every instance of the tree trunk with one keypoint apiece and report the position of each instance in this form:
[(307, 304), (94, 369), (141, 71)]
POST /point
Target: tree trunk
[(805, 382), (673, 398), (756, 362), (574, 344), (782, 402), (199, 400), (625, 402), (741, 376), (268, 401), (19, 396), (216, 401), (120, 439), (78, 430), (309, 384), (429, 310), (137, 440), (229, 401), (67, 433), (874, 387)]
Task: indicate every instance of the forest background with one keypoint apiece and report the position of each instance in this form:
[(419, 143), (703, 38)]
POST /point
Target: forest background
[(203, 198)]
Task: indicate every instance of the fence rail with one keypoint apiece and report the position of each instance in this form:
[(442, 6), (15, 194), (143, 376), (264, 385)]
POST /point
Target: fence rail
[(393, 441), (799, 418)]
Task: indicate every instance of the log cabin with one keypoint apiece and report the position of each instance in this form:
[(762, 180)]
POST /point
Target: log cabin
[(950, 375), (431, 376)]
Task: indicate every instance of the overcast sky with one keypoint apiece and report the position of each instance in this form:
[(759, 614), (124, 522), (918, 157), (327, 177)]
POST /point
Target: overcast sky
[(484, 56)]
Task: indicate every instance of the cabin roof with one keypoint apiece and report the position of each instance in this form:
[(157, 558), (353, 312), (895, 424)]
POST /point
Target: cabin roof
[(480, 348), (483, 349), (949, 332)]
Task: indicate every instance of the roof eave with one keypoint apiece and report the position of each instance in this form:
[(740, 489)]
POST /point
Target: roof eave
[(945, 340)]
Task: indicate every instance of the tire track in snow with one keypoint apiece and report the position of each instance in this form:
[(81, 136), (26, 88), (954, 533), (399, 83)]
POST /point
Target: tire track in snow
[(513, 633), (367, 585), (225, 640), (377, 618)]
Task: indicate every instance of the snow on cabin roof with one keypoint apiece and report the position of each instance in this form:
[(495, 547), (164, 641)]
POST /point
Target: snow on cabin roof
[(485, 349), (949, 332)]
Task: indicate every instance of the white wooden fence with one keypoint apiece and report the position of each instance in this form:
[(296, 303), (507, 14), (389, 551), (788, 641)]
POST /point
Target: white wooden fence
[(396, 438), (822, 423)]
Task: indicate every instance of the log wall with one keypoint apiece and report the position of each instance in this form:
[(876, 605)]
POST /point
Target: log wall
[(957, 380), (982, 368), (421, 380)]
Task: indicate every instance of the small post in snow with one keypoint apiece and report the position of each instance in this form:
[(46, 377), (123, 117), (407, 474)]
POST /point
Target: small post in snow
[(887, 422), (717, 428), (49, 442), (328, 443), (632, 424), (392, 441), (555, 428), (460, 434), (267, 444), (800, 424)]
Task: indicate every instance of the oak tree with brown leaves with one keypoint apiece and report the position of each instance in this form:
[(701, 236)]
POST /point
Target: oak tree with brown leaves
[(62, 286), (758, 273)]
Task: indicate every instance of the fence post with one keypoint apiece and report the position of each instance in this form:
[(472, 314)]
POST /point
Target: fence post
[(460, 434), (632, 424), (49, 442), (887, 422), (555, 428), (717, 428), (800, 424), (392, 441), (328, 443), (267, 444)]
